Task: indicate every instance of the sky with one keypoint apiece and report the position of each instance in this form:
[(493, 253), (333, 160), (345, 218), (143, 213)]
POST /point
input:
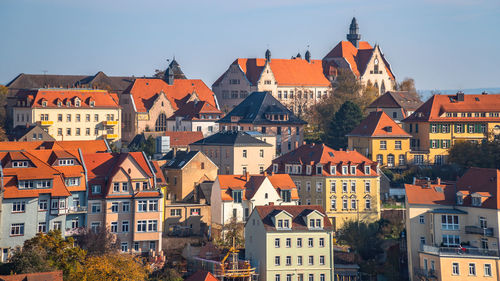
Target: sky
[(441, 44)]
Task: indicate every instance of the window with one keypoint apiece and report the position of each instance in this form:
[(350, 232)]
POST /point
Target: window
[(43, 205), (367, 186), (310, 241), (18, 207), (344, 170), (125, 226), (142, 206), (96, 189), (288, 242), (261, 153), (449, 222), (311, 260), (17, 229), (353, 170), (277, 276), (59, 117), (288, 261), (402, 160), (277, 260), (153, 205), (421, 219), (333, 204), (276, 243), (114, 207), (299, 260), (368, 203), (175, 212), (380, 159), (487, 269), (96, 117), (136, 246), (20, 164), (72, 181), (95, 226), (116, 187), (244, 153), (383, 145), (152, 225), (390, 160), (455, 269), (114, 227), (299, 242), (451, 240), (308, 186), (142, 226), (353, 186), (57, 225), (124, 246), (42, 227), (311, 277), (237, 196), (322, 260), (308, 169), (353, 203), (197, 212), (472, 269), (96, 207), (344, 204), (319, 186), (319, 169), (322, 242), (66, 162)]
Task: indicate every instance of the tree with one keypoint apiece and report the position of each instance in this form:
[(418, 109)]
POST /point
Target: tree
[(140, 143), (165, 274), (114, 267), (408, 84), (231, 234), (48, 252), (362, 237), (100, 242), (343, 122), (482, 155)]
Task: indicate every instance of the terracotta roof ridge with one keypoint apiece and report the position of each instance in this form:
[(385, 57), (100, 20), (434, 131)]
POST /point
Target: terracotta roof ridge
[(43, 162)]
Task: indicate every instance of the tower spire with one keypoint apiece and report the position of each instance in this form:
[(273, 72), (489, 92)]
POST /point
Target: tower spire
[(353, 36)]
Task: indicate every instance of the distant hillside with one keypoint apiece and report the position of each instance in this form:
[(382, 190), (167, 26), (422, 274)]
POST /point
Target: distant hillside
[(427, 93)]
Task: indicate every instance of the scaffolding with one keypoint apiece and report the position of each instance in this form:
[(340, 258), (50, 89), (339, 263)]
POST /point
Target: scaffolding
[(232, 269)]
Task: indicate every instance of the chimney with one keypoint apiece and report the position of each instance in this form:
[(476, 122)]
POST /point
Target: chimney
[(414, 180), (438, 181), (271, 203), (265, 173), (247, 176), (484, 93), (460, 96)]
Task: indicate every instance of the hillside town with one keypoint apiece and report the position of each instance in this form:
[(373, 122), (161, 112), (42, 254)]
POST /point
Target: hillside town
[(284, 169)]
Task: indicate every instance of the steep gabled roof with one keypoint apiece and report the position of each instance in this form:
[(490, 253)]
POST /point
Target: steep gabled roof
[(231, 138), (377, 124), (250, 184), (144, 92), (90, 146), (297, 211), (254, 108), (397, 99), (287, 72), (181, 159), (101, 98), (193, 109), (357, 58), (437, 105), (201, 275), (183, 138)]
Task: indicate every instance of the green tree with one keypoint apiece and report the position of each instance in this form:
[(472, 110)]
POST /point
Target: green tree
[(232, 232), (165, 274), (362, 237), (46, 252), (482, 155), (343, 122), (141, 143)]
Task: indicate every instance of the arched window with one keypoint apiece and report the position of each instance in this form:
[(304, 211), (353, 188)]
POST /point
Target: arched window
[(382, 88), (390, 160), (161, 123), (375, 66)]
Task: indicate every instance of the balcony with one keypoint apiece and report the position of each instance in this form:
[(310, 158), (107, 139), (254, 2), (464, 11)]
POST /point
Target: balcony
[(458, 251), (77, 210), (46, 123), (58, 212), (472, 229), (429, 274), (111, 136), (110, 123), (74, 231)]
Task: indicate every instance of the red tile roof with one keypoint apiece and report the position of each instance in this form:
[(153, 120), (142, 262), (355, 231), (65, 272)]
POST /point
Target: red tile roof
[(183, 138), (287, 72), (102, 98), (433, 194), (297, 212), (37, 276), (377, 124), (249, 184), (357, 58), (145, 90), (91, 146), (312, 154), (435, 108)]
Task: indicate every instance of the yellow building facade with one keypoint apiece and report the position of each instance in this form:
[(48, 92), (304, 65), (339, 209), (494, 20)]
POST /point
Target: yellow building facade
[(446, 119), (381, 139), (71, 114), (345, 183)]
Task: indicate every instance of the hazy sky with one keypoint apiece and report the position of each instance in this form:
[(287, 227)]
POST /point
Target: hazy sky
[(442, 44)]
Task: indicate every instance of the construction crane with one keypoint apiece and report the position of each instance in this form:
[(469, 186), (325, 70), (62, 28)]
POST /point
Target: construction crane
[(231, 268)]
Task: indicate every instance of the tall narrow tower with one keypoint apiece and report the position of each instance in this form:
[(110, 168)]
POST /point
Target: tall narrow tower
[(353, 36)]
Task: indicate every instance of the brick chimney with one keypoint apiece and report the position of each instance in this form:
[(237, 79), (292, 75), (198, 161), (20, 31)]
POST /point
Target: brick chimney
[(247, 176), (271, 203), (438, 181)]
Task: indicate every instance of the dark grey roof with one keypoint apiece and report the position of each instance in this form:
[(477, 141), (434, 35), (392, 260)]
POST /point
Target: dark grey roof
[(253, 109), (25, 133), (99, 80), (397, 99), (180, 160), (231, 138)]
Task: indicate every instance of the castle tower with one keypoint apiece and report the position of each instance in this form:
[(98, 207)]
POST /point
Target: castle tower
[(353, 35)]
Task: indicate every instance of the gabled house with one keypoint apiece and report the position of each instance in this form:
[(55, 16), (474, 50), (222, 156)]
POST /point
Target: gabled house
[(396, 104), (290, 243), (196, 115), (124, 197), (237, 195)]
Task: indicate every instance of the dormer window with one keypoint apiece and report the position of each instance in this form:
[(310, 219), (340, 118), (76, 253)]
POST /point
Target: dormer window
[(460, 199), (75, 181), (20, 164), (367, 170), (286, 196), (68, 103), (353, 170), (308, 169), (96, 189), (333, 170), (275, 168), (236, 196), (77, 103), (345, 170), (311, 223), (59, 103), (66, 162), (476, 201), (92, 103), (319, 169), (44, 103)]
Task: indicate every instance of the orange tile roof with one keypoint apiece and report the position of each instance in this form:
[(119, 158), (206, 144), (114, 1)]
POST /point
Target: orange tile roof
[(312, 154), (183, 138), (376, 124), (101, 98), (201, 275), (91, 146), (435, 194), (357, 58), (37, 276), (249, 184), (145, 90), (437, 105)]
